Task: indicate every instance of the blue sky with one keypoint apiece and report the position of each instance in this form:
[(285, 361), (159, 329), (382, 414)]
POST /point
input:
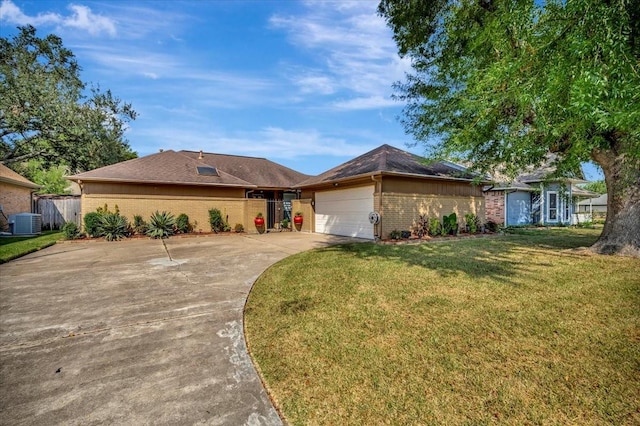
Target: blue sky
[(304, 83)]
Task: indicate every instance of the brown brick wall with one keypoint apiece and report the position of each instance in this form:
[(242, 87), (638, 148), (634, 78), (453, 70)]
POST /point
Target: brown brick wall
[(494, 206), (15, 199), (401, 211), (308, 216), (197, 208)]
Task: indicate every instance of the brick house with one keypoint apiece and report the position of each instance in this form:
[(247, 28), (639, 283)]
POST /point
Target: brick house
[(536, 196), (16, 193), (193, 182), (397, 185)]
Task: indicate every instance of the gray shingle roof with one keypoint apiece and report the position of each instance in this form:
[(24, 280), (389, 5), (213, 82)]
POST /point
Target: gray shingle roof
[(259, 171), (167, 167), (390, 160)]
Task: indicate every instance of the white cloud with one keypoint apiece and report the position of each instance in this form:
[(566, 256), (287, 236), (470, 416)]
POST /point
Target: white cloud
[(355, 47), (81, 18)]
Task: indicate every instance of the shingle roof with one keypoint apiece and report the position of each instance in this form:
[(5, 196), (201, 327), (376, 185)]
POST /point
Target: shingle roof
[(167, 167), (390, 160), (259, 171), (9, 176)]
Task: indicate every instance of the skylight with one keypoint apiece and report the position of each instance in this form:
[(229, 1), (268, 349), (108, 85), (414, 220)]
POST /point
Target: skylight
[(207, 171)]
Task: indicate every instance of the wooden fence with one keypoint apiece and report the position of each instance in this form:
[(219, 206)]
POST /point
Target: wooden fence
[(57, 209)]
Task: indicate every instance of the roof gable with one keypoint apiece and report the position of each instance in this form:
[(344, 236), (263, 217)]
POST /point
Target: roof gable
[(390, 160), (259, 171), (167, 167), (9, 176)]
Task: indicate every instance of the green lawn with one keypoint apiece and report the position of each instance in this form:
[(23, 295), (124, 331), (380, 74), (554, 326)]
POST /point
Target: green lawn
[(14, 247), (519, 329)]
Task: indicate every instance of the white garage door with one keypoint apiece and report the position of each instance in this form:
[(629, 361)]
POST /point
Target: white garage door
[(345, 212)]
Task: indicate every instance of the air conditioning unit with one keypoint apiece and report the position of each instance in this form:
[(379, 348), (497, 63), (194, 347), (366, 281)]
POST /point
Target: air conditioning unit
[(25, 223)]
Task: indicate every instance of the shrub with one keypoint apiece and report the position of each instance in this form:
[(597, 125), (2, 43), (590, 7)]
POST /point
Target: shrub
[(405, 234), (449, 224), (182, 224), (285, 223), (91, 223), (71, 231), (239, 227), (434, 226), (161, 225), (491, 226), (395, 234), (472, 222), (422, 227), (139, 225), (113, 227), (217, 222)]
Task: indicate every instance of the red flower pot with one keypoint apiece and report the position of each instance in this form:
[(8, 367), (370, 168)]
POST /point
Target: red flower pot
[(259, 221), (297, 220)]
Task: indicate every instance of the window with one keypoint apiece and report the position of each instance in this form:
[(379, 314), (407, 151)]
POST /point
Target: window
[(552, 206)]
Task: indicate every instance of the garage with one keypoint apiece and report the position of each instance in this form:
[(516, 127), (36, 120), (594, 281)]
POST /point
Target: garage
[(345, 212)]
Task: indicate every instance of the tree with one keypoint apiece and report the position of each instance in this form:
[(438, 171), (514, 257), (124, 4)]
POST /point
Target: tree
[(45, 114), (504, 83), (597, 186), (51, 180)]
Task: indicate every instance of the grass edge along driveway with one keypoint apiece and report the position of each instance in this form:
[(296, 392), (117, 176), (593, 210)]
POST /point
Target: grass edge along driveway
[(15, 247), (518, 329)]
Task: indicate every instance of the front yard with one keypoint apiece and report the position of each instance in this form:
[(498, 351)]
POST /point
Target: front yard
[(14, 247), (520, 329)]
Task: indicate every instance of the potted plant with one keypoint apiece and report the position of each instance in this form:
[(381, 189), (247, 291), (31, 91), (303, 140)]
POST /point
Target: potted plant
[(259, 220), (297, 219)]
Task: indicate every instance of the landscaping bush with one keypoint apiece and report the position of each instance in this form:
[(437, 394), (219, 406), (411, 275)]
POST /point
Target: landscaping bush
[(217, 222), (239, 227), (449, 224), (139, 225), (182, 224), (491, 226), (434, 226), (113, 227), (91, 223), (422, 227), (161, 225), (71, 231), (472, 222)]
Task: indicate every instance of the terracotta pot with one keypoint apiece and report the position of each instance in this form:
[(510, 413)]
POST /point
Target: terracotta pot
[(297, 220), (259, 221)]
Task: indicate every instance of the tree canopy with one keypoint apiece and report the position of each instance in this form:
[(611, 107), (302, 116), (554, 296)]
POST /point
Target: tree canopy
[(47, 114), (501, 84)]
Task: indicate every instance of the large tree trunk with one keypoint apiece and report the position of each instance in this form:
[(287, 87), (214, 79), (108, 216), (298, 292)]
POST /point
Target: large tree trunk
[(621, 233)]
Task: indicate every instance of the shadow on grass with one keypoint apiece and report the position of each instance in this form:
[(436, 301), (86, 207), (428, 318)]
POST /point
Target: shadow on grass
[(500, 257)]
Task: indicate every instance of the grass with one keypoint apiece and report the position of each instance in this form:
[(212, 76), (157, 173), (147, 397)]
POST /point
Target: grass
[(14, 247), (520, 329)]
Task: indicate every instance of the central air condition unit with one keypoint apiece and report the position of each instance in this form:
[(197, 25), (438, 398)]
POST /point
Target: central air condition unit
[(25, 223)]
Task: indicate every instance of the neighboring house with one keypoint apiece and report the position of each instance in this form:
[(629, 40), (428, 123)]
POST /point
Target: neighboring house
[(396, 184), (596, 206), (535, 197), (192, 183), (16, 194)]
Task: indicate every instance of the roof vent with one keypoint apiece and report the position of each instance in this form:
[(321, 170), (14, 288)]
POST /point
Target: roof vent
[(207, 171), (201, 156)]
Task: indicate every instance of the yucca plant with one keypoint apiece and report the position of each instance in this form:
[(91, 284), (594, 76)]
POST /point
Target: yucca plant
[(161, 225), (139, 225), (113, 227)]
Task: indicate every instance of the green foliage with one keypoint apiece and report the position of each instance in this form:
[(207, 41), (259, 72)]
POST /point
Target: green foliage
[(598, 186), (47, 114), (52, 179), (91, 222), (285, 223), (161, 225), (71, 231), (139, 225), (182, 224), (434, 226), (217, 222), (113, 227), (503, 83), (395, 234), (449, 224), (239, 227), (472, 222)]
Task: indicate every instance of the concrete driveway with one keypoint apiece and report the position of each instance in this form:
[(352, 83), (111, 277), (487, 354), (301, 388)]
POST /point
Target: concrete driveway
[(136, 332)]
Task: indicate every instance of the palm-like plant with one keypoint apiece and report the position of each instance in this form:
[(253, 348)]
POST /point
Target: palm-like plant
[(113, 227), (161, 225)]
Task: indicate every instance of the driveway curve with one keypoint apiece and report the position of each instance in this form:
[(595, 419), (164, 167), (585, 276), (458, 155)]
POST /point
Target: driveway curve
[(136, 332)]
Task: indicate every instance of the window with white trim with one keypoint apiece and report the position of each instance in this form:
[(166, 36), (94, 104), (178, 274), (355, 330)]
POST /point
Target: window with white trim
[(552, 206)]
